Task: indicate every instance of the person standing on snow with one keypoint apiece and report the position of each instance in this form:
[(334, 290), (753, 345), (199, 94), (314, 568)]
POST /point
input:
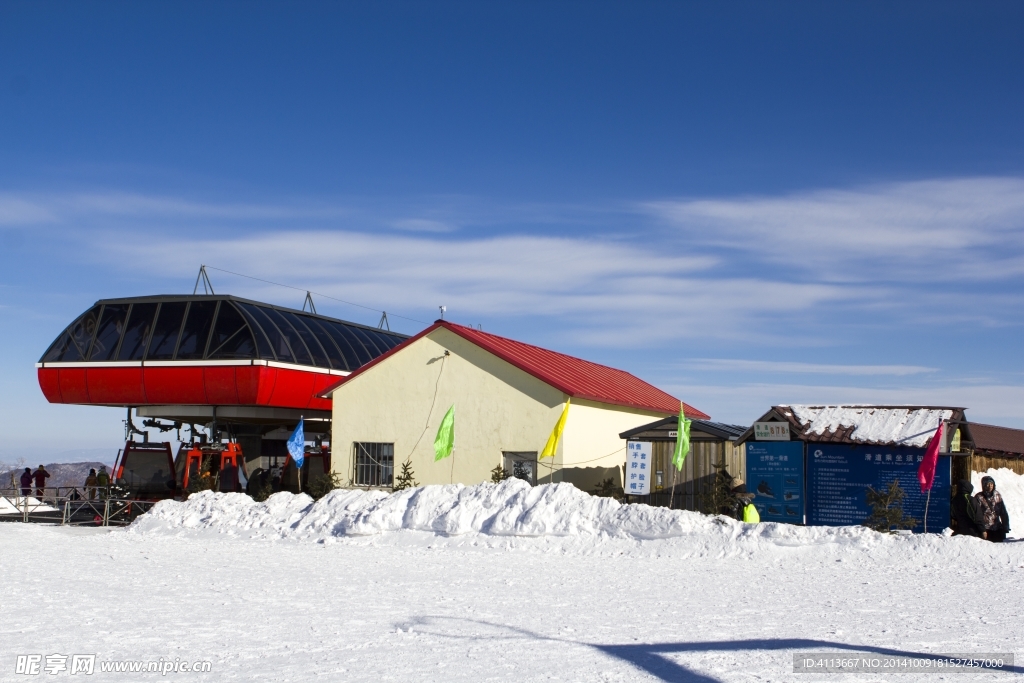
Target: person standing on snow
[(963, 511), (26, 482), (743, 506), (991, 512), (90, 484), (103, 481), (40, 475)]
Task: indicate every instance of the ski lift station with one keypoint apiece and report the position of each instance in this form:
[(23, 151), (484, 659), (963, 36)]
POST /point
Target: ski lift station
[(235, 376)]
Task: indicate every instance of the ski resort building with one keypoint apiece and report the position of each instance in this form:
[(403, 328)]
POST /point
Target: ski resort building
[(243, 370), (507, 398)]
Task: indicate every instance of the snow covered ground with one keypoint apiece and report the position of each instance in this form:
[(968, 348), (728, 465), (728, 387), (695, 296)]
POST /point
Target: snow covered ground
[(494, 583)]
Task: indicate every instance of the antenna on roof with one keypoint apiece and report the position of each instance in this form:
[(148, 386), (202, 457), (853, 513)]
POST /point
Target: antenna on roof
[(383, 321), (443, 309), (205, 279), (309, 300)]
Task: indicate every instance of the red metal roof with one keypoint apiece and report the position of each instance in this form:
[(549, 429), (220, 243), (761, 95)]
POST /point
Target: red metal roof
[(573, 376)]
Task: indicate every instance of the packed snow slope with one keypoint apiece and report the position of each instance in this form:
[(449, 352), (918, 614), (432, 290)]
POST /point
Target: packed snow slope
[(494, 583), (510, 510)]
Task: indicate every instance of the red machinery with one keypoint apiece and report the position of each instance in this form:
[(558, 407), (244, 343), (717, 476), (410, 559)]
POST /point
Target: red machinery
[(195, 461), (146, 470)]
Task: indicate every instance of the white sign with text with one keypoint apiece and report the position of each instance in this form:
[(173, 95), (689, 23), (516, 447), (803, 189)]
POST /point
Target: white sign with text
[(771, 431), (638, 468)]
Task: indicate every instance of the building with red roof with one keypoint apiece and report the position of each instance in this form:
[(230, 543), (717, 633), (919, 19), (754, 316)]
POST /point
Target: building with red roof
[(507, 398)]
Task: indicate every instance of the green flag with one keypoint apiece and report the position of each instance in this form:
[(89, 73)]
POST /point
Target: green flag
[(682, 440), (444, 442)]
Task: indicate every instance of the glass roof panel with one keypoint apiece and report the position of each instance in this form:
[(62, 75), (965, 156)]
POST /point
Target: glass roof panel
[(266, 351), (109, 333), (231, 336), (73, 343), (302, 356), (196, 330), (370, 341), (319, 355), (362, 355), (136, 332), (338, 361), (277, 340), (166, 330)]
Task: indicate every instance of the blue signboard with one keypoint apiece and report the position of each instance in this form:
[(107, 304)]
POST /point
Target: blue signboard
[(838, 476), (775, 473)]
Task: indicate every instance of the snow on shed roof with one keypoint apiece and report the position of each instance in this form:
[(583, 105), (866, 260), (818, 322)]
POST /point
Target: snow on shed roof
[(573, 376), (894, 425)]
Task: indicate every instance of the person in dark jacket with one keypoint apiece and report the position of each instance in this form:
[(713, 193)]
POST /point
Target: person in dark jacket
[(962, 511), (991, 512), (40, 475), (26, 482)]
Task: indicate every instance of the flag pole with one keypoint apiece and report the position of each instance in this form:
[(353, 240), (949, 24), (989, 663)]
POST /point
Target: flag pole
[(927, 500)]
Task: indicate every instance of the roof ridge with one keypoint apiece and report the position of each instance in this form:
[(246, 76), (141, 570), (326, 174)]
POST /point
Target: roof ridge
[(445, 323)]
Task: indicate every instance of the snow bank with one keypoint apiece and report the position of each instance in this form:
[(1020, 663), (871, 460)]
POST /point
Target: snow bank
[(562, 516), (16, 506), (909, 427), (1011, 487)]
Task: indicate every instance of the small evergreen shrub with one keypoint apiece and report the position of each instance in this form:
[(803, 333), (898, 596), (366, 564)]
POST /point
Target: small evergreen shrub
[(499, 474), (887, 509), (406, 478), (608, 489), (322, 484)]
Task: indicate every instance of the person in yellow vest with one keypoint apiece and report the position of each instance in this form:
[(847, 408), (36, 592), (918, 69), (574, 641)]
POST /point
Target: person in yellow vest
[(743, 505)]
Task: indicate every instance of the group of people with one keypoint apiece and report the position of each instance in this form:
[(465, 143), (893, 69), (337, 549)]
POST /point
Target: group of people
[(983, 515), (39, 477), (96, 481)]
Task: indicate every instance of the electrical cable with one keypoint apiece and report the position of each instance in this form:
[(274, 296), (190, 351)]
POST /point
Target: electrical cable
[(299, 289), (437, 383)]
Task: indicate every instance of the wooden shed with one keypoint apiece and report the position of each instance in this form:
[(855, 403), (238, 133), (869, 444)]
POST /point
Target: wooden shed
[(710, 443), (992, 447)]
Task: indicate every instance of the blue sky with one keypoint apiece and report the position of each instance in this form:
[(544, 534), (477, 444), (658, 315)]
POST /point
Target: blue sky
[(743, 203)]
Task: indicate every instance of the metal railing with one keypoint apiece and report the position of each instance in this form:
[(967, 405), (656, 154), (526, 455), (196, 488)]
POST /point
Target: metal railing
[(72, 505)]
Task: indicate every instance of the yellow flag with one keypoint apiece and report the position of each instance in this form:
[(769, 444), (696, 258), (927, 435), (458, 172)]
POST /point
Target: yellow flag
[(552, 445)]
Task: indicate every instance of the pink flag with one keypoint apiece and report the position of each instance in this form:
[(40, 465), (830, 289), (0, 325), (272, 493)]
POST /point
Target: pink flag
[(926, 470)]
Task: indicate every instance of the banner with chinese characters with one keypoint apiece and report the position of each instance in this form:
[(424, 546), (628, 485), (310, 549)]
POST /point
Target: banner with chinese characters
[(638, 468), (838, 476), (775, 475)]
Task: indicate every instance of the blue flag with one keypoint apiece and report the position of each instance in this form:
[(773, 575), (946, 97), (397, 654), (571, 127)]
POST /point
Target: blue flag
[(297, 445)]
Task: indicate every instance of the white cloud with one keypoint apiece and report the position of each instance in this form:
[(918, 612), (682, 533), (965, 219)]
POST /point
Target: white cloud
[(738, 365), (935, 230), (593, 285)]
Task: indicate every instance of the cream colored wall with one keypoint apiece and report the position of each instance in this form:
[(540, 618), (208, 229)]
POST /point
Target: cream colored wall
[(497, 408), (591, 449)]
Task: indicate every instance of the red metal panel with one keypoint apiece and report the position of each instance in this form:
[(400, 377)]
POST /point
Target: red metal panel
[(172, 385), (320, 384), (220, 385), (49, 382), (268, 379), (73, 387), (293, 388), (190, 385), (247, 381), (117, 386)]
